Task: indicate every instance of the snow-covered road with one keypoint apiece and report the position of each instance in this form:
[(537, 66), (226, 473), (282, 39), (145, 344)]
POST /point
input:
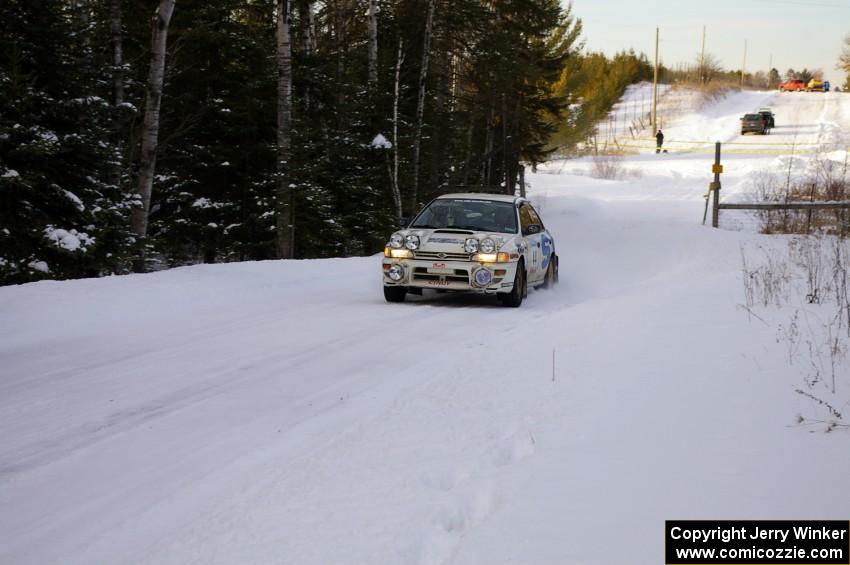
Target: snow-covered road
[(281, 412)]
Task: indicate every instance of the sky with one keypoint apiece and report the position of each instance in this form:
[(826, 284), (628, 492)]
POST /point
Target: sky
[(796, 33)]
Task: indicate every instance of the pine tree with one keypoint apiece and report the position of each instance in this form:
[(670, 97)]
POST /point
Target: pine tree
[(60, 217)]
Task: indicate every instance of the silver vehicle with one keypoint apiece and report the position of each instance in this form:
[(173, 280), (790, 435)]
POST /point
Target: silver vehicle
[(483, 243)]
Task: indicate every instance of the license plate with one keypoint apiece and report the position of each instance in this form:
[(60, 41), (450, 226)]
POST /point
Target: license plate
[(434, 271)]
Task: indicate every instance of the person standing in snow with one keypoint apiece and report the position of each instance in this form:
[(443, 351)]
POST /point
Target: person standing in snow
[(659, 141)]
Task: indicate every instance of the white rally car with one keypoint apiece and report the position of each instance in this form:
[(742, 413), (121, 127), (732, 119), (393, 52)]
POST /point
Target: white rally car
[(484, 243)]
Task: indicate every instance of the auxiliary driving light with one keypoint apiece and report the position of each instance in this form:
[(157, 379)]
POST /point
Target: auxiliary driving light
[(483, 277), (470, 245), (487, 245), (396, 241), (396, 273), (412, 242)]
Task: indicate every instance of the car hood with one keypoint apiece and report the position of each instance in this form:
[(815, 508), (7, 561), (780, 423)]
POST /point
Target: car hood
[(451, 241)]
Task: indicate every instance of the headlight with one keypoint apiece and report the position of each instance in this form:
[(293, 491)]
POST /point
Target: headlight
[(412, 242), (487, 245), (396, 272), (470, 245), (396, 241), (483, 277)]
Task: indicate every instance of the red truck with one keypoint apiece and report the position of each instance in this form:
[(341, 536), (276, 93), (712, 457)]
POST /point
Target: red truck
[(794, 84)]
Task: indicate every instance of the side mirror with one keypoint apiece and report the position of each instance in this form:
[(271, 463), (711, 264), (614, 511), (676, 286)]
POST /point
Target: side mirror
[(532, 229), (403, 222)]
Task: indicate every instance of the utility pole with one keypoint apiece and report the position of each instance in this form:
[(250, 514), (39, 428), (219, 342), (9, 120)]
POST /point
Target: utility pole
[(655, 88), (744, 65), (702, 59)]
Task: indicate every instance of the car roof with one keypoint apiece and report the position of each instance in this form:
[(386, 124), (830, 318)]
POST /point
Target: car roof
[(481, 196)]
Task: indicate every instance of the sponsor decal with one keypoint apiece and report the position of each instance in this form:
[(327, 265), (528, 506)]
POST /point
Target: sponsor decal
[(547, 249), (439, 265)]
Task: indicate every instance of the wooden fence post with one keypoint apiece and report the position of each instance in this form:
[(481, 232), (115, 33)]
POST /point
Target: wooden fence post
[(718, 168)]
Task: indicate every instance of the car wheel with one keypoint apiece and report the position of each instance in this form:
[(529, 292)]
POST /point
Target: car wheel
[(513, 299), (395, 293), (551, 274)]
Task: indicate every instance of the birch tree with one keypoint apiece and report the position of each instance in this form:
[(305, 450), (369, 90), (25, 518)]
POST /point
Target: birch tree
[(420, 103), (116, 40), (115, 23), (83, 11), (394, 180), (308, 43), (373, 42), (285, 201), (150, 129), (306, 13)]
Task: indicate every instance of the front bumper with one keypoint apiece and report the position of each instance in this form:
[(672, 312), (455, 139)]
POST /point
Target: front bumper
[(450, 275)]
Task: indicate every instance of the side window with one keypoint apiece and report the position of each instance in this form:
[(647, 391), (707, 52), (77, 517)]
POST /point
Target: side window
[(535, 219), (525, 219)]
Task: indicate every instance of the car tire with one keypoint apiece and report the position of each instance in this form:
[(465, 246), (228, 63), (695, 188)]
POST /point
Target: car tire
[(551, 274), (394, 293), (513, 299)]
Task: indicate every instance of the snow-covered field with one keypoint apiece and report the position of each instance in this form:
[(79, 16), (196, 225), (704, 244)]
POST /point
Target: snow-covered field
[(631, 113), (282, 412)]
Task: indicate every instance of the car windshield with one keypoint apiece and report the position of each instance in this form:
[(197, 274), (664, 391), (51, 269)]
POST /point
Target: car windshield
[(468, 214), (754, 117)]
